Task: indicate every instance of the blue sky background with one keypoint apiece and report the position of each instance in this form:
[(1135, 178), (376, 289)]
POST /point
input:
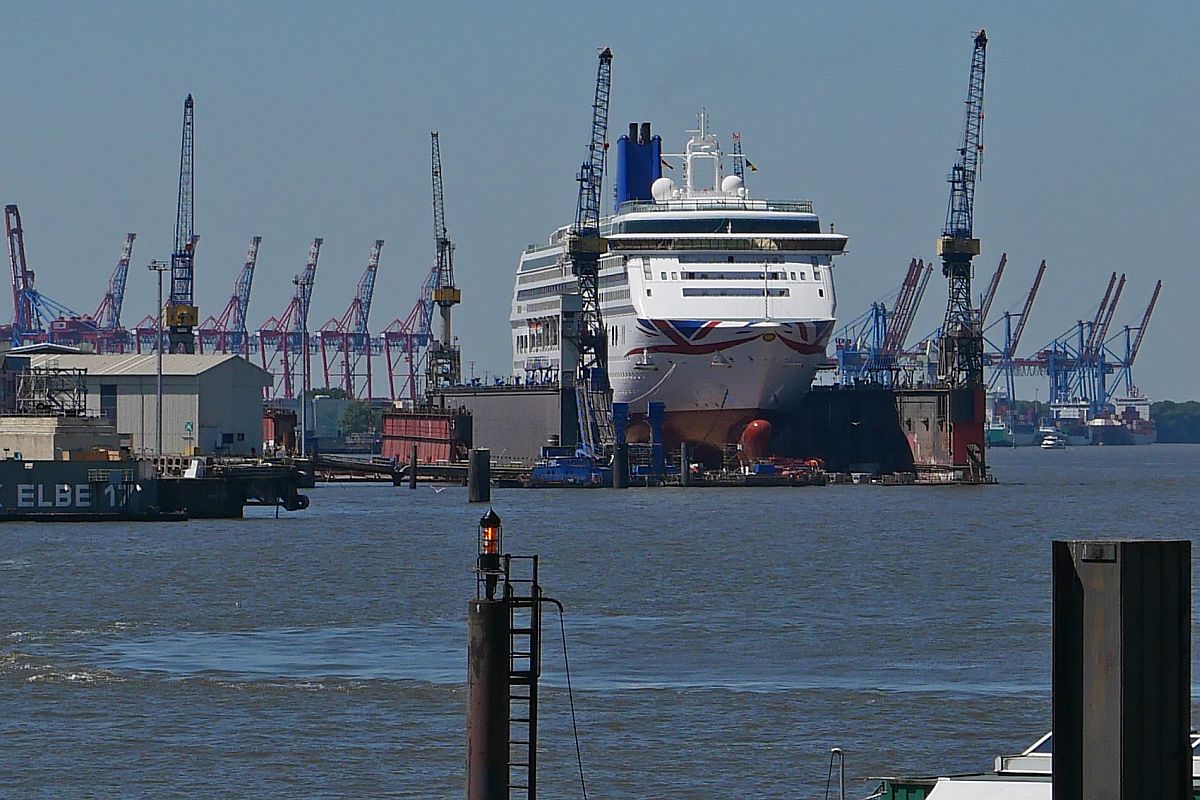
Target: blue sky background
[(314, 120)]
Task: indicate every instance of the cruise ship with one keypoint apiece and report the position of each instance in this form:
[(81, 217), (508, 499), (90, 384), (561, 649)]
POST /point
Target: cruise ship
[(717, 303)]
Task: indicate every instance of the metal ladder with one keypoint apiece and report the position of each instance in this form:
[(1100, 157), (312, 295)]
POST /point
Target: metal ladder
[(523, 594)]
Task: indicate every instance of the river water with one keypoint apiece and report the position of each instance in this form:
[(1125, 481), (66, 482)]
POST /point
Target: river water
[(720, 641)]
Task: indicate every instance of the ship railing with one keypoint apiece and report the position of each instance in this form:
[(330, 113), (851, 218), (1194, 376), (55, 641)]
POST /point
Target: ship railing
[(717, 204)]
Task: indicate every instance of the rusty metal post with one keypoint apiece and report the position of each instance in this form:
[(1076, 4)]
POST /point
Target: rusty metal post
[(412, 467), (1122, 670), (479, 476), (487, 699)]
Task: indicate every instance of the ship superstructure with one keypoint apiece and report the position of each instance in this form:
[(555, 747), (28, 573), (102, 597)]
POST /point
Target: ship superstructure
[(717, 304)]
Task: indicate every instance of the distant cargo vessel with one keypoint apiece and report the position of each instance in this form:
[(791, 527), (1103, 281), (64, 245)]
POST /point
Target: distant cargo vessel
[(718, 304)]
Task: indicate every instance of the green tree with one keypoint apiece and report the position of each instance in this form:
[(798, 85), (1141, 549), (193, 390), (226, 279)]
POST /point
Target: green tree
[(361, 417)]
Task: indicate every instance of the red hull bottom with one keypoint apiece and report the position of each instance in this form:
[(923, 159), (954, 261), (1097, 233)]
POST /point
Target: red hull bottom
[(707, 431)]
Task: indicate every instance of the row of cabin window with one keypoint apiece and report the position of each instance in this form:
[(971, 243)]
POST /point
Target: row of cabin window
[(544, 336)]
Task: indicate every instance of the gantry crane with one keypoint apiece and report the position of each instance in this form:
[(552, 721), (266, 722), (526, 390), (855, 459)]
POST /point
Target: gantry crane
[(181, 314), (346, 345), (227, 333), (960, 355), (1133, 344), (584, 247), (1007, 366), (283, 340), (444, 367)]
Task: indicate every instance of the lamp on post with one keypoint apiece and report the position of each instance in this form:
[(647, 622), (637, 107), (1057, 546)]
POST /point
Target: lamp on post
[(160, 267), (491, 543)]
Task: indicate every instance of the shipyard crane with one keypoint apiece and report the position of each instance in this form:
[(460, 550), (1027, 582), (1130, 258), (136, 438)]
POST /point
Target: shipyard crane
[(227, 333), (584, 247), (181, 314), (24, 295), (985, 302), (960, 359), (346, 346), (34, 314), (108, 313), (443, 364), (282, 340)]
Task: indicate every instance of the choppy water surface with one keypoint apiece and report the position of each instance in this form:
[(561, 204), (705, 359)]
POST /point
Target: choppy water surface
[(721, 641)]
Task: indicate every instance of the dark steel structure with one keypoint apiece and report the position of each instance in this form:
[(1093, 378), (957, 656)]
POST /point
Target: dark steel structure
[(181, 314), (503, 666), (585, 245), (960, 359), (1122, 670), (444, 367)]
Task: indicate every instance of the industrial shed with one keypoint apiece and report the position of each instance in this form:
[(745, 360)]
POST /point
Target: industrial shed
[(211, 403)]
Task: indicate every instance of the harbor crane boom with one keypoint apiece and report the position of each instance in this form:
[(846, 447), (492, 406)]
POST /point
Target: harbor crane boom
[(901, 311), (985, 302), (1011, 350), (1137, 342), (181, 314), (1087, 348), (444, 365), (960, 363), (1101, 335), (585, 245), (108, 313)]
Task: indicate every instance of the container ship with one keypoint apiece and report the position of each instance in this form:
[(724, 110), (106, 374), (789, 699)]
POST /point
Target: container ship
[(718, 304)]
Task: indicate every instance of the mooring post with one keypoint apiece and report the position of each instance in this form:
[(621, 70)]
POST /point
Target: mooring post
[(685, 472), (412, 467), (487, 671), (479, 476), (1121, 702), (620, 462)]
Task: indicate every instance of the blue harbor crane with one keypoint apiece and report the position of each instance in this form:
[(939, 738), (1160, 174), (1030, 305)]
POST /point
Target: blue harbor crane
[(960, 352), (181, 314), (584, 247)]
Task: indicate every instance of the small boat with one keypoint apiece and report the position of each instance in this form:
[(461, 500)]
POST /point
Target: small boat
[(1054, 441)]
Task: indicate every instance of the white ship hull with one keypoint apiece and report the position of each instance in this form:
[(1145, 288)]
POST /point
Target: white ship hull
[(717, 305)]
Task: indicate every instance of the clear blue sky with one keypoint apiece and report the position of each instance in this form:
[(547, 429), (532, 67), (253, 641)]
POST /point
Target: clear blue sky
[(313, 119)]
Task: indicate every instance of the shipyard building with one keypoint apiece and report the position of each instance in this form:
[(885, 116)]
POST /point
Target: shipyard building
[(211, 403)]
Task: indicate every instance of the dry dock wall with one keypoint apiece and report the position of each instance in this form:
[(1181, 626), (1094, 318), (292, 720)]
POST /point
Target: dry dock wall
[(516, 422)]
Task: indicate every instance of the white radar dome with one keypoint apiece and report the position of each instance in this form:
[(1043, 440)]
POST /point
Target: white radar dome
[(730, 184), (662, 189)]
